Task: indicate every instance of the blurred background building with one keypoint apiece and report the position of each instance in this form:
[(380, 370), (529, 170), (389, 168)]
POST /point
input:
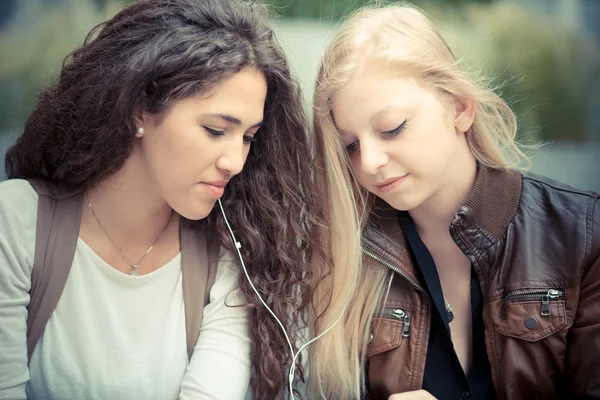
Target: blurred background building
[(545, 55)]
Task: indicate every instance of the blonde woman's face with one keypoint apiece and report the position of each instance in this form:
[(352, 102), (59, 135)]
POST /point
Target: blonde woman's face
[(401, 138)]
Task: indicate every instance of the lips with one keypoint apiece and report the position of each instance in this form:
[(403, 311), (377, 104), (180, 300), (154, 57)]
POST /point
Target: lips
[(390, 184), (216, 188), (220, 184)]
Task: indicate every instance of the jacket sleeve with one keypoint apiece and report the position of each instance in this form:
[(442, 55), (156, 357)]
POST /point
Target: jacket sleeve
[(18, 211), (582, 359)]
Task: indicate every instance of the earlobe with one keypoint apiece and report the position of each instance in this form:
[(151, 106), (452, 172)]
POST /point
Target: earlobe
[(139, 121), (142, 121), (465, 114)]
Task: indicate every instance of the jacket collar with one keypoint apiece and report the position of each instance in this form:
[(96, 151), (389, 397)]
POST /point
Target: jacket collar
[(493, 201), (487, 212)]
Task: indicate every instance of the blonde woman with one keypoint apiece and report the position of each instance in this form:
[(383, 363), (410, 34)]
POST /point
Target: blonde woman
[(476, 280)]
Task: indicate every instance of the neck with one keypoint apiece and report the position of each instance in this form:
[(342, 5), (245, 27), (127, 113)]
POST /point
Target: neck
[(129, 205), (434, 216)]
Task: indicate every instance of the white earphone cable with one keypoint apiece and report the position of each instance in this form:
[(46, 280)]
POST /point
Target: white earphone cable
[(292, 370)]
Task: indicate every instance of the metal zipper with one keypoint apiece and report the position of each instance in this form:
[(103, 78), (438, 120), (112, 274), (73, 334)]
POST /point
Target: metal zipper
[(398, 313), (401, 315), (544, 295), (395, 269)]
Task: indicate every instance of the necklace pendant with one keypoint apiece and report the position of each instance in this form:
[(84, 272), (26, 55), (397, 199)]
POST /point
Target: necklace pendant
[(449, 314), (123, 256)]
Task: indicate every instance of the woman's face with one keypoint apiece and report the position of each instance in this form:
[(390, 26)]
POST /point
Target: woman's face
[(401, 137), (193, 150)]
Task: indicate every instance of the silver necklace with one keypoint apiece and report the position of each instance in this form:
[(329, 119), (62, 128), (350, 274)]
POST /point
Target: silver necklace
[(449, 311), (133, 265)]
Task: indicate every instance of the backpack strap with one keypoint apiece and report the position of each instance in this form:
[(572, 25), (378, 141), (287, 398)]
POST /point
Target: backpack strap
[(199, 259), (58, 222), (57, 231)]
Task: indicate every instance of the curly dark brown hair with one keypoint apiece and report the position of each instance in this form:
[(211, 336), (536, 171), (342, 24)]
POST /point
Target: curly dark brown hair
[(150, 55)]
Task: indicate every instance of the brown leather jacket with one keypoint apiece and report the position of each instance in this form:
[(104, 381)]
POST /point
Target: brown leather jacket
[(535, 246)]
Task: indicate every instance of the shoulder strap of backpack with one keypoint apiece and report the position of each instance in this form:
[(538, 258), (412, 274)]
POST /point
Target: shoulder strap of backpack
[(58, 221), (199, 259), (57, 230)]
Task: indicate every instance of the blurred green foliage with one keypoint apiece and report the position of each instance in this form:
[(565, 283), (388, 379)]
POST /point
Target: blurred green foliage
[(32, 53), (544, 66), (335, 9)]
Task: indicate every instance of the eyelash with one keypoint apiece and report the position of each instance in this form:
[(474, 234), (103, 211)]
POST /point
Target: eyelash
[(390, 134), (352, 146), (396, 131), (214, 132)]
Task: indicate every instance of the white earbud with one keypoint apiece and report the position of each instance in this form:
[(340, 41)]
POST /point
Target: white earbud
[(292, 370)]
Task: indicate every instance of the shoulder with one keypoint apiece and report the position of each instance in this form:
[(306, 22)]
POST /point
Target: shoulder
[(565, 215), (227, 301), (540, 185), (227, 277), (18, 207), (544, 197), (18, 210), (17, 192), (18, 218)]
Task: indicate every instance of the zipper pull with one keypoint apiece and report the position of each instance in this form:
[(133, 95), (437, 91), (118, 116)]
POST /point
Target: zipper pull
[(553, 293), (406, 328), (405, 318), (545, 305)]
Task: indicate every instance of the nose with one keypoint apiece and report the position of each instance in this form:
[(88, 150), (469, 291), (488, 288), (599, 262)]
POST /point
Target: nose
[(232, 158), (373, 156)]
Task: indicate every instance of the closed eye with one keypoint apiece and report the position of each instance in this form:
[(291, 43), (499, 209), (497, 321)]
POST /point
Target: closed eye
[(213, 132), (396, 130), (352, 146)]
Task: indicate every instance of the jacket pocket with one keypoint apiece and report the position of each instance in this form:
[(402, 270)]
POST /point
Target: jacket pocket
[(531, 314), (388, 329)]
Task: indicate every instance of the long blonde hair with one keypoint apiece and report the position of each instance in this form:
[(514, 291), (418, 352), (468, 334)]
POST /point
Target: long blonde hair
[(402, 37)]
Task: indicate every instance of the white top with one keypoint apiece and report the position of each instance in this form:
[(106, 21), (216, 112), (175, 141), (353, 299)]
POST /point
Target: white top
[(114, 336)]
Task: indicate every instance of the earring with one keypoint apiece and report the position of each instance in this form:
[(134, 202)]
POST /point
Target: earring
[(140, 131)]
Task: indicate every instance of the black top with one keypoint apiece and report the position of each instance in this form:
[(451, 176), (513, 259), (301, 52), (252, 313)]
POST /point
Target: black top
[(444, 377)]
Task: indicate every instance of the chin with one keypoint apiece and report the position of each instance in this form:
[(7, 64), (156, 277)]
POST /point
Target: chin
[(200, 211), (403, 203)]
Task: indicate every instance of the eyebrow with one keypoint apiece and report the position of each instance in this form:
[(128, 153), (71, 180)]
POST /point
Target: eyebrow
[(344, 132), (383, 110), (234, 120), (372, 119)]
